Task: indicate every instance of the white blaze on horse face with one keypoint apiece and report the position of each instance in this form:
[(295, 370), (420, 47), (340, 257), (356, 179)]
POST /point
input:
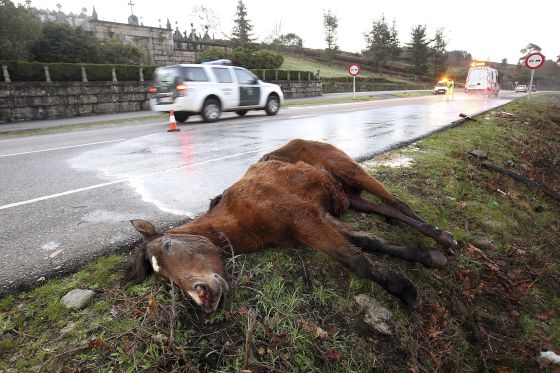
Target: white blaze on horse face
[(195, 297), (155, 264)]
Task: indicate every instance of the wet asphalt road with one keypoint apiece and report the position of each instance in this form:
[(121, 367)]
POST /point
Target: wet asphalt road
[(67, 198)]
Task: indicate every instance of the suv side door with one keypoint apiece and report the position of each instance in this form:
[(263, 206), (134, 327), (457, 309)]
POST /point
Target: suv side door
[(249, 87), (227, 86)]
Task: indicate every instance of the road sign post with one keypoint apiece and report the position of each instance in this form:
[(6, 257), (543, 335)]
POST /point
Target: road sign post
[(533, 62), (354, 70)]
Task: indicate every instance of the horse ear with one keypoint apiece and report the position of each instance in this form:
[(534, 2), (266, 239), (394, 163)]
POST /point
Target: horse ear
[(146, 228)]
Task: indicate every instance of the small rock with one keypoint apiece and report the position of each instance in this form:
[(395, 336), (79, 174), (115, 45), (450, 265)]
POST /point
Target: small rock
[(68, 328), (77, 298), (550, 356), (379, 317)]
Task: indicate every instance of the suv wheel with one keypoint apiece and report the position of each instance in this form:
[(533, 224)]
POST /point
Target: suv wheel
[(272, 105), (181, 116), (211, 110)]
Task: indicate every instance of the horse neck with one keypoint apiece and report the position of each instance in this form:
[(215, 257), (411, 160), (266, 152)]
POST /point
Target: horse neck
[(211, 226)]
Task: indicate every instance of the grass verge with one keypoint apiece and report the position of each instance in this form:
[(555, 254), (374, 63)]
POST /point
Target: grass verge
[(493, 309)]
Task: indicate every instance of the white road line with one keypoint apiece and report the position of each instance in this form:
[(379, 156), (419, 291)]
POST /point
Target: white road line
[(61, 194), (102, 185), (301, 116), (60, 148)]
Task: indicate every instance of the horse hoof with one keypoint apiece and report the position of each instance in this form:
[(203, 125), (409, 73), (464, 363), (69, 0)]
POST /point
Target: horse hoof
[(446, 240), (435, 259), (404, 289)]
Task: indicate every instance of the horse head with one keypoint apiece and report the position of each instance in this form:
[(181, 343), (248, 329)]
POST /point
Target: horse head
[(191, 262)]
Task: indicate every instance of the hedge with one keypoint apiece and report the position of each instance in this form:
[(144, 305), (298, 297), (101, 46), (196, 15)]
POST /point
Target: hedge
[(24, 71), (66, 72), (275, 74)]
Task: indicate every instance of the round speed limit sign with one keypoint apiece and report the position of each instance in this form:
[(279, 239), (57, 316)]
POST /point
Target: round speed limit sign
[(354, 69)]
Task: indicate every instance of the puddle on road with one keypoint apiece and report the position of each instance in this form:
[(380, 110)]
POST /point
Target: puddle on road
[(49, 246), (104, 216)]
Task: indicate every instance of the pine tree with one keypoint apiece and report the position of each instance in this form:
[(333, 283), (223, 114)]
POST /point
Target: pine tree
[(418, 51), (439, 54), (241, 35), (382, 43)]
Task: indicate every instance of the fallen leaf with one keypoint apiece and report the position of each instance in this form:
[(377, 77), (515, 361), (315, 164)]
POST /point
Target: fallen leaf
[(98, 343), (331, 354), (547, 315), (314, 329)]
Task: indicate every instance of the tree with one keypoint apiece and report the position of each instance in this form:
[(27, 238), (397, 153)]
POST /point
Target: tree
[(241, 34), (418, 51), (459, 58), (330, 22), (530, 48), (207, 19), (19, 29), (115, 51), (382, 43), (438, 54), (62, 43), (290, 40)]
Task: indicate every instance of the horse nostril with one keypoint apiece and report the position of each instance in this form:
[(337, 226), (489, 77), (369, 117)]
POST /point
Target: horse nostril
[(201, 289)]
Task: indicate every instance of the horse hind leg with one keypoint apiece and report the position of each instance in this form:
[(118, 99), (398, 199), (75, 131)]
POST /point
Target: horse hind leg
[(327, 239), (429, 258), (374, 187), (442, 237)]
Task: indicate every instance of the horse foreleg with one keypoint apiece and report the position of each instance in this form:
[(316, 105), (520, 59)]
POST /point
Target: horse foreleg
[(325, 238), (443, 237)]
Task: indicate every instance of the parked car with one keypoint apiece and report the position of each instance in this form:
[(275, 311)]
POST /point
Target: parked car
[(208, 89), (441, 87), (521, 88)]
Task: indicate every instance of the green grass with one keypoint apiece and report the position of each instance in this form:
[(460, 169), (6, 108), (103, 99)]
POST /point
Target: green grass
[(306, 317), (334, 70)]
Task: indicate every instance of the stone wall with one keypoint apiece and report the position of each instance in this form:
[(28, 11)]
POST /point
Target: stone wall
[(156, 43), (300, 88), (37, 100)]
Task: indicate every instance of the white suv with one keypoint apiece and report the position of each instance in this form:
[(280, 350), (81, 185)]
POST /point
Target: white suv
[(209, 89)]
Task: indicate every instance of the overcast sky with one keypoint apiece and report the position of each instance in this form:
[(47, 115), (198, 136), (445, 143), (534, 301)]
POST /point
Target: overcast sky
[(489, 29)]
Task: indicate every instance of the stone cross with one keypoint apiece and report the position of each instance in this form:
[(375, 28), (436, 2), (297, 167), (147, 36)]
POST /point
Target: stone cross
[(131, 5)]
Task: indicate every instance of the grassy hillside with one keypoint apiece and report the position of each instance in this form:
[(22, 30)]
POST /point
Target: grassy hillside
[(334, 70)]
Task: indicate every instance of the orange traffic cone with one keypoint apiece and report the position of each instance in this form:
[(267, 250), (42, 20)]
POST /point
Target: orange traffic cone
[(172, 122)]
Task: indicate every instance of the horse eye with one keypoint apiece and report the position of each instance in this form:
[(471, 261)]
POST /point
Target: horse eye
[(167, 245)]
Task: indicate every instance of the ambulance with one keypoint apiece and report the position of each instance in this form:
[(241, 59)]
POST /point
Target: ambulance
[(482, 79)]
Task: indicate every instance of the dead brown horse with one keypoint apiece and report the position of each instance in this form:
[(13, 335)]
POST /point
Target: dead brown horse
[(290, 197)]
